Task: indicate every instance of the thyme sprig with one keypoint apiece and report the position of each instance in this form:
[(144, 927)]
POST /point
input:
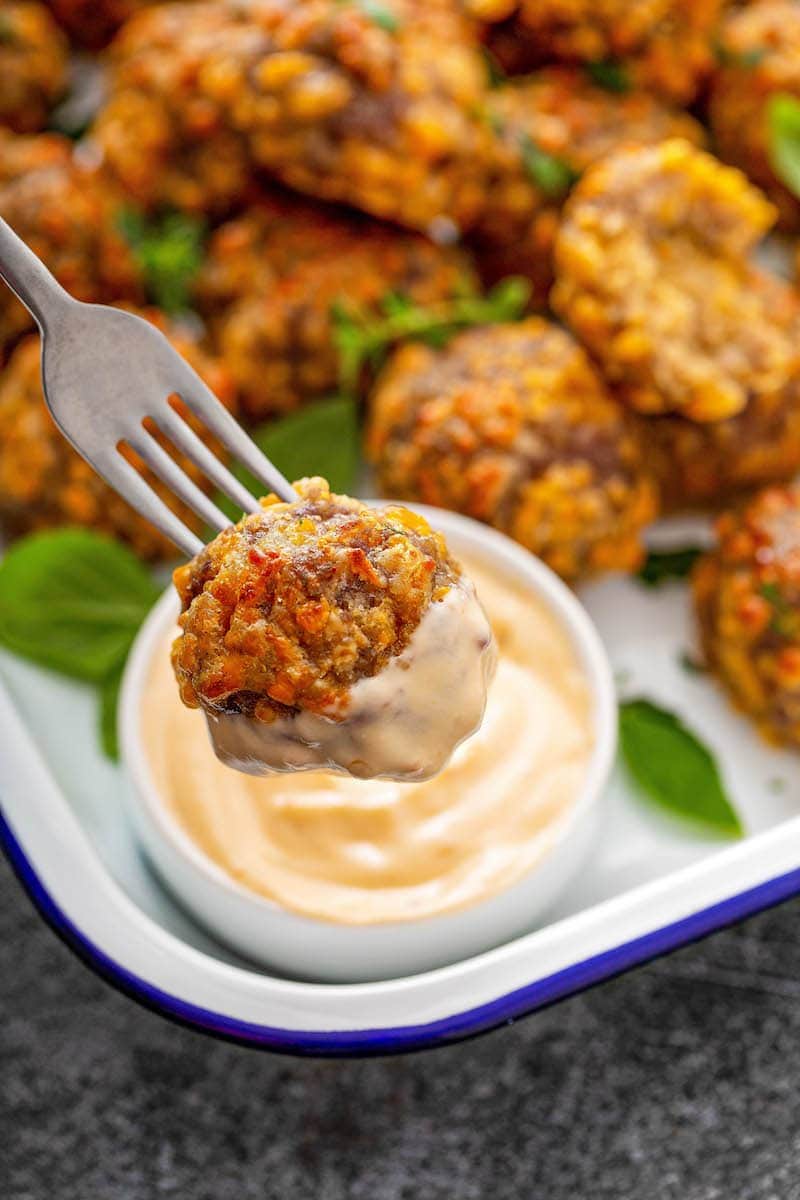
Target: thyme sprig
[(363, 338)]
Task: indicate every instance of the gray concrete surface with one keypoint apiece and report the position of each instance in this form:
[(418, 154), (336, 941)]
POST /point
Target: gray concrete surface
[(680, 1081)]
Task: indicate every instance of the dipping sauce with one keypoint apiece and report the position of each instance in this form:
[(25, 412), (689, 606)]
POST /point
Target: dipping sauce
[(363, 852)]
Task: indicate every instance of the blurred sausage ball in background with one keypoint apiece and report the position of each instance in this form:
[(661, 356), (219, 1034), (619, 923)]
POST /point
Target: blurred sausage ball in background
[(654, 275), (33, 65), (747, 595), (547, 129), (45, 483), (274, 276), (664, 46), (511, 424)]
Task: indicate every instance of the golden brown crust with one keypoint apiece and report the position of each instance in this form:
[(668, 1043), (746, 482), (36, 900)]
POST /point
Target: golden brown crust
[(747, 597), (44, 483), (375, 111), (67, 214), (291, 607), (759, 56), (510, 424), (653, 275), (561, 114), (273, 276), (33, 65)]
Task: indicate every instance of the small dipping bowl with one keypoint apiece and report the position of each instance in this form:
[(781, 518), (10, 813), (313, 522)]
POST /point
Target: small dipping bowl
[(309, 948)]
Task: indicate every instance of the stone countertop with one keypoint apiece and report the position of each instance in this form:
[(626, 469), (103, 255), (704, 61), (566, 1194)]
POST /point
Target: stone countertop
[(679, 1080)]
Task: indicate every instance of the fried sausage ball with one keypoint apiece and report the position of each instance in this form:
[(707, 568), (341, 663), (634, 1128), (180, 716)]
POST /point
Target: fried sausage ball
[(653, 275), (165, 139), (759, 56), (33, 65), (366, 104), (511, 424), (45, 483), (663, 46), (68, 216), (747, 597), (292, 606), (273, 277), (548, 129)]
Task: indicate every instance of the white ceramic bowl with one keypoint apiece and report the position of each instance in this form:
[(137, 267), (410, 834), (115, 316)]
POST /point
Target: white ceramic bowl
[(308, 948)]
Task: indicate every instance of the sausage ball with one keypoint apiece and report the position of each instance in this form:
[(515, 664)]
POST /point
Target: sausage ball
[(511, 424), (68, 216), (323, 633), (296, 603), (169, 143), (747, 598), (759, 56), (372, 105), (33, 65), (653, 276), (548, 129), (663, 46), (45, 483), (273, 277)]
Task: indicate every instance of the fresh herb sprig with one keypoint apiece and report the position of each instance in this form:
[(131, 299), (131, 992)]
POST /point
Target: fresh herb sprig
[(674, 768), (610, 74), (363, 338), (783, 142), (169, 252), (663, 565), (73, 601), (552, 175)]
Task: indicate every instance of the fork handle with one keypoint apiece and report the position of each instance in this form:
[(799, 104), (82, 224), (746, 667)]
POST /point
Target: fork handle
[(29, 278)]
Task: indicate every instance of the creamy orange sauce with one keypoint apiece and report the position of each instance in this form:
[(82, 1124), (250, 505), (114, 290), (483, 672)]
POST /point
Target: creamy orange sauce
[(363, 852)]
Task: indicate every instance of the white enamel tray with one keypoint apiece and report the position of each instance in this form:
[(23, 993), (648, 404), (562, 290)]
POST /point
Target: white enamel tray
[(651, 885)]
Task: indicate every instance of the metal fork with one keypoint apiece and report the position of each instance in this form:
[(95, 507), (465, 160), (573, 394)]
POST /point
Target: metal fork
[(105, 372)]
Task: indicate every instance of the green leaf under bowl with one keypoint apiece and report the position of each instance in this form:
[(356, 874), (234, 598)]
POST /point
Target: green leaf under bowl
[(673, 767)]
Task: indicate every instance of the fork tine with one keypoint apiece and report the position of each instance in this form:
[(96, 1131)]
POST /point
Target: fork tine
[(126, 480), (186, 440), (204, 404), (176, 479)]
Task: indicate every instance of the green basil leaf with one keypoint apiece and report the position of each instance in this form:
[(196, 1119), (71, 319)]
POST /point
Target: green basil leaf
[(661, 565), (495, 75), (109, 699), (673, 767), (609, 74), (727, 57), (553, 176), (783, 125), (322, 439), (169, 252), (72, 601), (380, 15)]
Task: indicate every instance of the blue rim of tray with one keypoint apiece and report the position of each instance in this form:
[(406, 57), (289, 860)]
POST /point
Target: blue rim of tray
[(379, 1041)]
